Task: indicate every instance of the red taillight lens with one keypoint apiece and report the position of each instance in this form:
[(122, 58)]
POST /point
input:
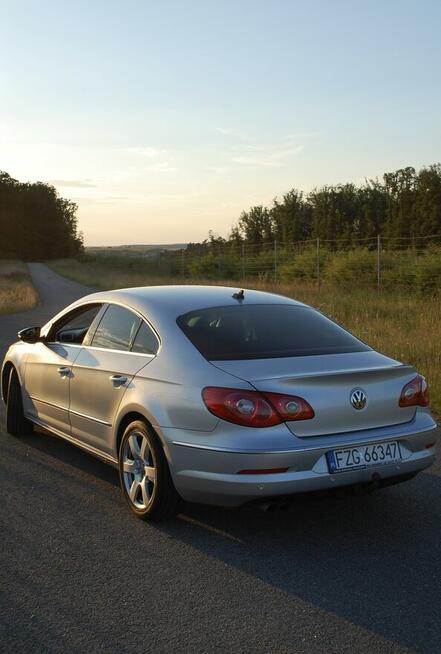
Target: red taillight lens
[(254, 409), (247, 408), (290, 407), (415, 393)]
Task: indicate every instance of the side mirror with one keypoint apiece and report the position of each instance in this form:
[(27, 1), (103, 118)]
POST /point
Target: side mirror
[(30, 335)]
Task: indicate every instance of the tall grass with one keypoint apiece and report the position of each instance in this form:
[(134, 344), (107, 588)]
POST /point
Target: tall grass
[(402, 324), (16, 290)]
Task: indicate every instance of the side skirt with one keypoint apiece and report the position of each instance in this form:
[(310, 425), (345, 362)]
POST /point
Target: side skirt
[(71, 439)]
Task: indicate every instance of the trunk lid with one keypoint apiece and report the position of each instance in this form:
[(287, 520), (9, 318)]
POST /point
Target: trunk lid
[(327, 382)]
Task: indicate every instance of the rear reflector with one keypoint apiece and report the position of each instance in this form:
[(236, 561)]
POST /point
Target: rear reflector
[(263, 471), (429, 446)]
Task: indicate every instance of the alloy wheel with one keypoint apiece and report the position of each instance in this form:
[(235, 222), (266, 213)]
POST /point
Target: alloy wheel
[(139, 469)]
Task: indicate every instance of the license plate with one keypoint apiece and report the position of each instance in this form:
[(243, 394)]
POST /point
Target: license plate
[(363, 456)]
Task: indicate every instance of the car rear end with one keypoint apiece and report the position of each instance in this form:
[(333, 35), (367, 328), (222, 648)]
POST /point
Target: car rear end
[(317, 410)]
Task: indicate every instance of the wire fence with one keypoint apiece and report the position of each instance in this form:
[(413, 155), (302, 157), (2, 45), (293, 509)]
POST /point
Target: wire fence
[(378, 262)]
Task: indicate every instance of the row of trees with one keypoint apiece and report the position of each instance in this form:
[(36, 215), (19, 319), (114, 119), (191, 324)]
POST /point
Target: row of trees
[(405, 203), (35, 222)]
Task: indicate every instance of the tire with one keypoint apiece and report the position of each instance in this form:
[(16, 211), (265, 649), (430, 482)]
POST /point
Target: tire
[(16, 422), (145, 476)]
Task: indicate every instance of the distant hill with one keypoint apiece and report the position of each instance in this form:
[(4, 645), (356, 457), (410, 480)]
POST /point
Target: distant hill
[(136, 249)]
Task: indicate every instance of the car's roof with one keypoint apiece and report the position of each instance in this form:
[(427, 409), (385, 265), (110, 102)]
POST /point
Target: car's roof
[(173, 301)]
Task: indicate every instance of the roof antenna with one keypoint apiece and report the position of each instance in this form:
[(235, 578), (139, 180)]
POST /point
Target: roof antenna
[(239, 295)]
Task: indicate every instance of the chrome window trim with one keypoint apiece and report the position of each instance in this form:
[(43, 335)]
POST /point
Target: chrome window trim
[(103, 349), (108, 349), (63, 344)]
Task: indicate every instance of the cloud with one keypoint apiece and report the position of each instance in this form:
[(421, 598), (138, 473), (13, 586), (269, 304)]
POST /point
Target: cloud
[(73, 183), (273, 156), (236, 134), (162, 167), (248, 151), (226, 131), (163, 163), (103, 200), (146, 151)]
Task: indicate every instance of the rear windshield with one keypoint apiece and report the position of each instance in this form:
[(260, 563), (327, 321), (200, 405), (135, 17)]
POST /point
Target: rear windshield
[(265, 332)]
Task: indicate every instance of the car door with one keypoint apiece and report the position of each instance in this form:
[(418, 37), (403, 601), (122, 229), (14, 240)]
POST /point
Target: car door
[(49, 368), (102, 372)]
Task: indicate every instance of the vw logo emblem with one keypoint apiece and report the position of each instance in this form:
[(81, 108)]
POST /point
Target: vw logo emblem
[(358, 399)]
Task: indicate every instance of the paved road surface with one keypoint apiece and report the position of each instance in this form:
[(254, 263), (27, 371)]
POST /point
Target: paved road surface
[(79, 574)]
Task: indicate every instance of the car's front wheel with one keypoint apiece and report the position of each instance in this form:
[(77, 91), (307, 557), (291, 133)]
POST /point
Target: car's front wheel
[(16, 422), (144, 474)]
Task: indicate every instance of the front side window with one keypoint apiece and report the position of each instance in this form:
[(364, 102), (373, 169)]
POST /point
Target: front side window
[(117, 329), (264, 331), (73, 327)]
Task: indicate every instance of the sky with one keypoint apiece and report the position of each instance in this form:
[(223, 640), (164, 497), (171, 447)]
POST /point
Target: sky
[(163, 120)]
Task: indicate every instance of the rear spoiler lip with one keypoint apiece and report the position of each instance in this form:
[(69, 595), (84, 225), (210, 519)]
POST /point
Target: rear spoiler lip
[(355, 372)]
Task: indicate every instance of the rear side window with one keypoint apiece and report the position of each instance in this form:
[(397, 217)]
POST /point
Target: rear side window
[(145, 341), (117, 329), (264, 332)]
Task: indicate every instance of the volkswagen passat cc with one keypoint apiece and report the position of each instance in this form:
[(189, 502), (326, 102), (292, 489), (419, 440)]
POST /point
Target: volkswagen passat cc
[(209, 395)]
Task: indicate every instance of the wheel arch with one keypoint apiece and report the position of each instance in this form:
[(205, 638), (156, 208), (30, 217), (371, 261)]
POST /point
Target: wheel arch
[(130, 415), (6, 373)]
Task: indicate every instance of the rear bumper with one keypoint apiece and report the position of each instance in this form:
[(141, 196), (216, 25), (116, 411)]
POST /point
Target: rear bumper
[(209, 474)]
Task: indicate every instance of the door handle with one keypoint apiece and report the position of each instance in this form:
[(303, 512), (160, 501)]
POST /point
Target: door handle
[(64, 371), (118, 380)]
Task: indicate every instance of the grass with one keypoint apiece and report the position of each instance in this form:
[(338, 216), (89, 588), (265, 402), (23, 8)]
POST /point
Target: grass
[(402, 325), (16, 290)]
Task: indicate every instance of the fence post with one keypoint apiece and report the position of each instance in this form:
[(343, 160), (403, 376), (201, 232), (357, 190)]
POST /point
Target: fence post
[(318, 264), (378, 262), (275, 260), (243, 260), (182, 263)]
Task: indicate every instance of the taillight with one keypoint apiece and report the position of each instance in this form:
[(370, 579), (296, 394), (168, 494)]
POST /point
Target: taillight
[(290, 407), (415, 393), (255, 409)]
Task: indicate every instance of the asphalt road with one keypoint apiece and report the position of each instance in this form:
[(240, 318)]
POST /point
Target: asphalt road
[(79, 574)]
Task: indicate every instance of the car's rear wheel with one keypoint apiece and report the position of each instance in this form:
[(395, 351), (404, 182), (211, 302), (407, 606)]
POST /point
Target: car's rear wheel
[(16, 422), (145, 476)]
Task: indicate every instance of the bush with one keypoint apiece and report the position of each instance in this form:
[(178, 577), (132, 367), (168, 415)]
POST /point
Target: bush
[(428, 273), (302, 266), (211, 266), (352, 268)]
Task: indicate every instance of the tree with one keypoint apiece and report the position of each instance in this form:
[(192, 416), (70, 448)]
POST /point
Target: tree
[(35, 222), (291, 217), (428, 201), (401, 187), (255, 225)]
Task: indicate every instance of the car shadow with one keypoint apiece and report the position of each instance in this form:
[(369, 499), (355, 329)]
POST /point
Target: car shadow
[(68, 453), (371, 560)]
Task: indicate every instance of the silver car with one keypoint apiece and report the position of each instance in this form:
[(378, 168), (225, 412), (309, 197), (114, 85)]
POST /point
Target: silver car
[(208, 394)]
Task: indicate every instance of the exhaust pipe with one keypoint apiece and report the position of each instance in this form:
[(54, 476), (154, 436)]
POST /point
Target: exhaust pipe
[(274, 505)]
